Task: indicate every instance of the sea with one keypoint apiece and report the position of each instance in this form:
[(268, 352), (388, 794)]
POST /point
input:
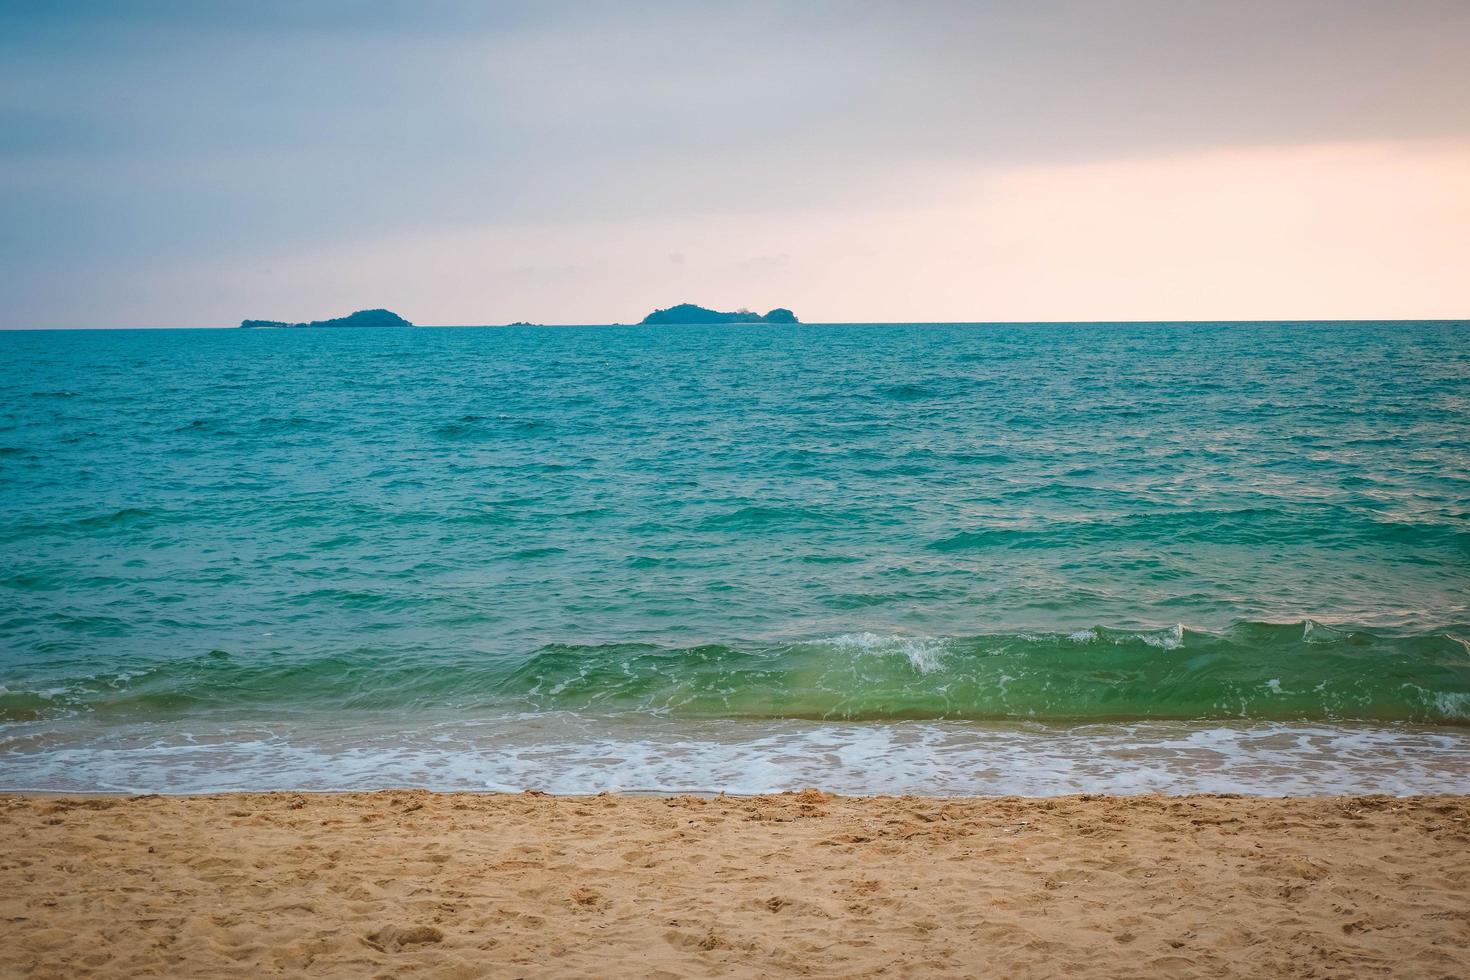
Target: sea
[(1024, 559)]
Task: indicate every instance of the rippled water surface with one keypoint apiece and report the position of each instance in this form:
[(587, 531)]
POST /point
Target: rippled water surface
[(739, 557)]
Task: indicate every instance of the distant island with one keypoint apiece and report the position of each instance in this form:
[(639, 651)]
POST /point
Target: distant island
[(362, 318), (689, 313)]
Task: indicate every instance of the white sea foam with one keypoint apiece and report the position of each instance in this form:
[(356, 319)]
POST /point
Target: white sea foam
[(1169, 639), (1166, 639), (566, 753), (1452, 704), (925, 653)]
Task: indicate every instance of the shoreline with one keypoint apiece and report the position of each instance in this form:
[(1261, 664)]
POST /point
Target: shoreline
[(466, 884), (705, 794), (571, 754)]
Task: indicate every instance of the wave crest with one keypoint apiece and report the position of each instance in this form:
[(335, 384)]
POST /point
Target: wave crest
[(1257, 671)]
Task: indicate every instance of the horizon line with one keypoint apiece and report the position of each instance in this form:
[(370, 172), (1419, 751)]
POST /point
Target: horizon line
[(787, 326)]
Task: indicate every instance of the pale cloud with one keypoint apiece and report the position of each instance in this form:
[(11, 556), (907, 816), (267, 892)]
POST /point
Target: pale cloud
[(174, 163), (1339, 230)]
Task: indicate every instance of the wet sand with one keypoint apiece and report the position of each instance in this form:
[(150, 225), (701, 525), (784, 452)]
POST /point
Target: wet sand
[(445, 885)]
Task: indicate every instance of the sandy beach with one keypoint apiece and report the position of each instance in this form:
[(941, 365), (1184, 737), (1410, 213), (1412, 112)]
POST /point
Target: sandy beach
[(415, 883)]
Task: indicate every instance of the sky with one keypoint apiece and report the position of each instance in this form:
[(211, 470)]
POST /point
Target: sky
[(186, 163)]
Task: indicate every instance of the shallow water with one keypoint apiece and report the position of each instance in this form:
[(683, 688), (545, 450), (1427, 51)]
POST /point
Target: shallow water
[(866, 557), (580, 753)]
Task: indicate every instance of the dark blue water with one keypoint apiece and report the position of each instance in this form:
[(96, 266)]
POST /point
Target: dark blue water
[(258, 554)]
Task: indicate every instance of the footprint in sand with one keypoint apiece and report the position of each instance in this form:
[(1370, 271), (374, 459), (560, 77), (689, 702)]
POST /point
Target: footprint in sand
[(390, 939)]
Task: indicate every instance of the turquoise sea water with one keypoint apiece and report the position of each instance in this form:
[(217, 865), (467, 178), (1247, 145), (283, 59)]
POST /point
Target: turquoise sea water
[(929, 558)]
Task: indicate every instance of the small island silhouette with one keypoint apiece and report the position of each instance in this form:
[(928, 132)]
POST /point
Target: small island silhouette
[(689, 313), (684, 313), (362, 318)]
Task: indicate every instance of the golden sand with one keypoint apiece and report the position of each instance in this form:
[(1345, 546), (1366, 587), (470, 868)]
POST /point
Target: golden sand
[(422, 884)]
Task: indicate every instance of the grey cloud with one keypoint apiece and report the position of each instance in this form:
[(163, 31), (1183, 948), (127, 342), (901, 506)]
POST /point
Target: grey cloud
[(149, 131)]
